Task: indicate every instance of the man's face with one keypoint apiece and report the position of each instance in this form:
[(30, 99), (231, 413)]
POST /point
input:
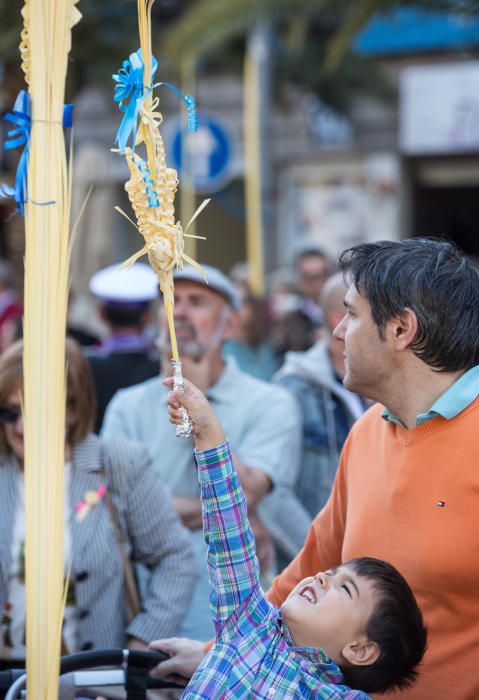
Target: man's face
[(367, 358), (202, 320), (330, 610), (313, 271)]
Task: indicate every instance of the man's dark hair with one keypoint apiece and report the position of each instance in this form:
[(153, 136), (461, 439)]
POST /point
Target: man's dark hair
[(311, 252), (432, 278), (295, 333), (397, 627), (121, 316)]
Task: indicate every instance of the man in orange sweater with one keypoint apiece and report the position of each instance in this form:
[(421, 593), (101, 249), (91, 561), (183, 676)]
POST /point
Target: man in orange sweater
[(407, 487)]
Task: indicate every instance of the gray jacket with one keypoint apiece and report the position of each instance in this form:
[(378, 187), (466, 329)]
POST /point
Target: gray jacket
[(309, 376), (151, 533)]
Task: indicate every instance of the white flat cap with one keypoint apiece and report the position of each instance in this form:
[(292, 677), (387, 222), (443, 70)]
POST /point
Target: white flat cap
[(137, 284), (215, 280)]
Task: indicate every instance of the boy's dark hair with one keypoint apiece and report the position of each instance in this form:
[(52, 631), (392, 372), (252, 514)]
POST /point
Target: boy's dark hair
[(397, 627), (432, 278)]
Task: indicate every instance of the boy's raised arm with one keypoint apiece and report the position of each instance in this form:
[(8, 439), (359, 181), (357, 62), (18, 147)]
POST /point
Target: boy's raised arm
[(232, 564)]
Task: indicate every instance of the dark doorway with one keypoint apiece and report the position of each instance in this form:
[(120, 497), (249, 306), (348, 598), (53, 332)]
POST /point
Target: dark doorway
[(451, 212)]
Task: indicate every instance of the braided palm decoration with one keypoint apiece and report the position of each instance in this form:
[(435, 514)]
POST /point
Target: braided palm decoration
[(152, 185)]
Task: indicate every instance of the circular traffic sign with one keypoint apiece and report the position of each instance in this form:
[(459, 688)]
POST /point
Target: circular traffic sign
[(203, 158)]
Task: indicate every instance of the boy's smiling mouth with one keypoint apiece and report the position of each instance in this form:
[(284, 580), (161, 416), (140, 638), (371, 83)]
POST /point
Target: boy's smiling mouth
[(309, 594)]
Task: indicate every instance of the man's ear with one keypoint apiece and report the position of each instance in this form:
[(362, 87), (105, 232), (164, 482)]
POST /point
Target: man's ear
[(231, 326), (361, 653), (403, 329)]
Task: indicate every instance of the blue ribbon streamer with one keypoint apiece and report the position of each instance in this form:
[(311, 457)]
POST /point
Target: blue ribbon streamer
[(130, 93), (190, 102), (20, 117), (151, 193)]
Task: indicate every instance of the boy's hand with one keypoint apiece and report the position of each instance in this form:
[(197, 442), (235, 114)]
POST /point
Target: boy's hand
[(207, 429)]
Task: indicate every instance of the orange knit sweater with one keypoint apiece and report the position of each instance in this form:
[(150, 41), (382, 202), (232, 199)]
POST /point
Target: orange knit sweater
[(411, 497)]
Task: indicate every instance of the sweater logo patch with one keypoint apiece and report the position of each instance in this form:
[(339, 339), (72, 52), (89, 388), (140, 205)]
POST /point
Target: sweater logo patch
[(441, 504)]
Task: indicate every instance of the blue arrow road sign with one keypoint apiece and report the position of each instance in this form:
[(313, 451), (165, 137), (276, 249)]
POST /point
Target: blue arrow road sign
[(203, 158)]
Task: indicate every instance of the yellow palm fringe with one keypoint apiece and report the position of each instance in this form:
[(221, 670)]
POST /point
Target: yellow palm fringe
[(45, 43)]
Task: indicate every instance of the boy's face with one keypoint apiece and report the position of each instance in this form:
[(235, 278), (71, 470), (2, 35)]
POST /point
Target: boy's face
[(331, 611)]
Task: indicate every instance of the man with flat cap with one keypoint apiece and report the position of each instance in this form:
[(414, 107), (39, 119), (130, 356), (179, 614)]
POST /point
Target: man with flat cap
[(126, 356), (261, 420)]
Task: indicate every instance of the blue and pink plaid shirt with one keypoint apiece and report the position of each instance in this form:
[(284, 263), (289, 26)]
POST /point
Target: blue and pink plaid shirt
[(253, 655)]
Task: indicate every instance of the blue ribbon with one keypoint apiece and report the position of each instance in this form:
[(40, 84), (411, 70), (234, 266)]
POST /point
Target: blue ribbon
[(151, 193), (19, 136), (190, 102), (20, 117), (67, 122), (130, 93)]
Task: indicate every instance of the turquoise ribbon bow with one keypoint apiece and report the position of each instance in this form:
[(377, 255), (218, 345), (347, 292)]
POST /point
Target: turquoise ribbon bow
[(130, 93), (20, 117)]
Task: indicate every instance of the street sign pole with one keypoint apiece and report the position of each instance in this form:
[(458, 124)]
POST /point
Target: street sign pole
[(257, 160), (187, 190)]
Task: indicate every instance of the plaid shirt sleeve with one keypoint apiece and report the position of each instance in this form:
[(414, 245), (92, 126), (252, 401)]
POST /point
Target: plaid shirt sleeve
[(232, 564)]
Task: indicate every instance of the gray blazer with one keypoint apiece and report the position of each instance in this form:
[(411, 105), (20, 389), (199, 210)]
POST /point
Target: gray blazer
[(151, 532)]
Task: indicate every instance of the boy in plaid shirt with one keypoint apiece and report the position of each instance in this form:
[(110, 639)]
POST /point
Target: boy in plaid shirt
[(351, 629)]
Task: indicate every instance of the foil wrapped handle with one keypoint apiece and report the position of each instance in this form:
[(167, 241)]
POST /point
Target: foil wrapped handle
[(185, 428)]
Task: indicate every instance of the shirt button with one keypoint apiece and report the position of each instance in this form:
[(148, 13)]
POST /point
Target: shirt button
[(271, 691), (293, 654)]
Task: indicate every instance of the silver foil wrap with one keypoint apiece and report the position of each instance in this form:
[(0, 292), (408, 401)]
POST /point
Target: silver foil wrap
[(185, 428)]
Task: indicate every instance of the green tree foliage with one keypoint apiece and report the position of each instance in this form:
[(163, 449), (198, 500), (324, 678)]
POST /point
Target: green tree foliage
[(106, 35), (213, 32), (210, 24), (312, 38)]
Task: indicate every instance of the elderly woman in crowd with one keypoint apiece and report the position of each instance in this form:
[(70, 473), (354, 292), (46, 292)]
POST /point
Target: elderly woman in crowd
[(115, 505)]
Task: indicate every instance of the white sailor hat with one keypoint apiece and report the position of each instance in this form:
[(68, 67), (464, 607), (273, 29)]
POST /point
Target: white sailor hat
[(135, 285), (215, 279)]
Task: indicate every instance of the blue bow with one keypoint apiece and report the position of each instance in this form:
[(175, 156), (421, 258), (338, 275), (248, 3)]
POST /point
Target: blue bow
[(130, 92), (20, 117), (19, 136)]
